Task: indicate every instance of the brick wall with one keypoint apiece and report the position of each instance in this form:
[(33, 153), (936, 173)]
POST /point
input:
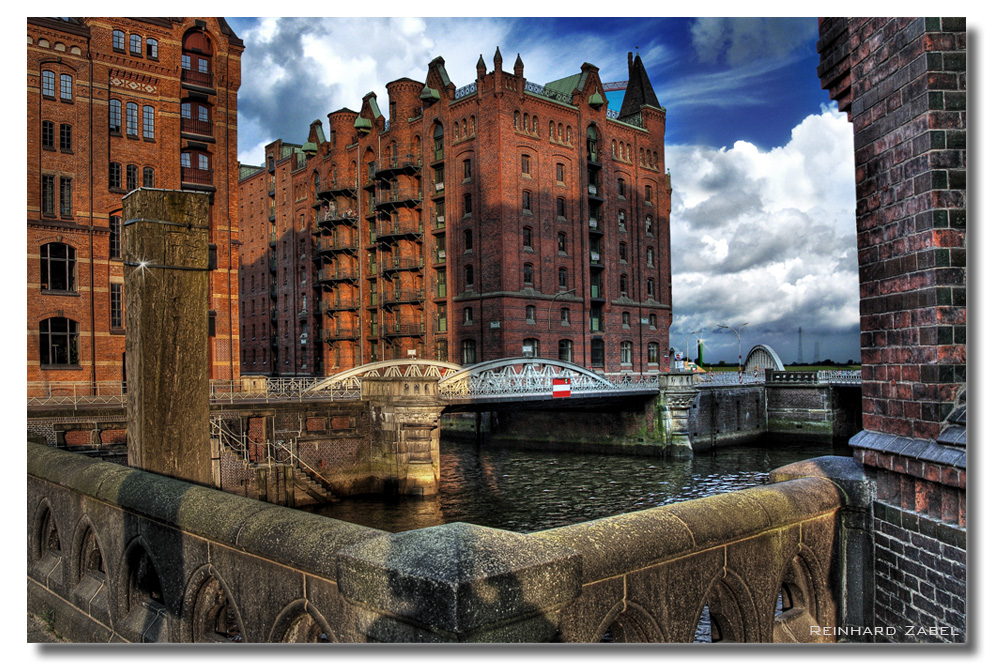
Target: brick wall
[(903, 83)]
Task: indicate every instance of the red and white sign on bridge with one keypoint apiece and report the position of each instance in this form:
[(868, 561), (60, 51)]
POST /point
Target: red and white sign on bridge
[(560, 388)]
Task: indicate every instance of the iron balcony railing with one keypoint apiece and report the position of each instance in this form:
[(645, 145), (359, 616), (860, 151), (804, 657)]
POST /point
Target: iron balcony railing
[(195, 126), (196, 175), (402, 263), (408, 228), (330, 273)]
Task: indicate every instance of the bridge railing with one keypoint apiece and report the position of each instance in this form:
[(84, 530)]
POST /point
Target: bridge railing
[(111, 393)]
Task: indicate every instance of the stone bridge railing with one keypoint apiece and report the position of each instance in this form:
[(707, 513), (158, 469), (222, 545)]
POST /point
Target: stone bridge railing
[(116, 553)]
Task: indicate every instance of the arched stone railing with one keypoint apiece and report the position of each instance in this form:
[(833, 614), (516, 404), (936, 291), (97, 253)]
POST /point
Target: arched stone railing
[(184, 563)]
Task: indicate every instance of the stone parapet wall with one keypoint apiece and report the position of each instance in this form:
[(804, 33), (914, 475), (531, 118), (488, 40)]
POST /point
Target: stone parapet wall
[(118, 554)]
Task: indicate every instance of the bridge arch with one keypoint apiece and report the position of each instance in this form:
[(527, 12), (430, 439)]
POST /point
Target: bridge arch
[(411, 368), (520, 375), (763, 357)]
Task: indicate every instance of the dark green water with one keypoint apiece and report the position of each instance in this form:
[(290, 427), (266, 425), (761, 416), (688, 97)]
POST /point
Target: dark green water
[(525, 491)]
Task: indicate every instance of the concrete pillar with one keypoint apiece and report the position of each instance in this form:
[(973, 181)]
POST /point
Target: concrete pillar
[(410, 427), (165, 252), (677, 396)]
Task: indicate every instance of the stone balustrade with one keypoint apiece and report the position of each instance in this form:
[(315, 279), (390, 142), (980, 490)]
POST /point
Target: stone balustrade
[(118, 554)]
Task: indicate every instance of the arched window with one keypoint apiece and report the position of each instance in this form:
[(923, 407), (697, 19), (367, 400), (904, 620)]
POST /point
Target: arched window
[(552, 130), (58, 267), (649, 256), (563, 278), (58, 339), (468, 243), (593, 145), (152, 48), (597, 353), (196, 59), (534, 124), (653, 353), (650, 288), (529, 274), (526, 237), (135, 45), (529, 314), (438, 141), (118, 40), (131, 177), (623, 284), (65, 87), (469, 275), (626, 353)]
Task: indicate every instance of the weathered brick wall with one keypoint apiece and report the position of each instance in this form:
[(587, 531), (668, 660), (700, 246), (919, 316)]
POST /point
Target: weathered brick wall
[(903, 83)]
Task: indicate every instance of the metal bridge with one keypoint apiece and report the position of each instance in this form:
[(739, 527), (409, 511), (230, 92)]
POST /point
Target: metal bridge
[(501, 380)]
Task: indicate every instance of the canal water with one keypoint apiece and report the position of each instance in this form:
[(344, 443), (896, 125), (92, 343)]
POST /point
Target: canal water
[(525, 491)]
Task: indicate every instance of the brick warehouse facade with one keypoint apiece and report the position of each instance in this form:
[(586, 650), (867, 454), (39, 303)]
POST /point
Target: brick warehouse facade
[(903, 83), (503, 218), (115, 104)]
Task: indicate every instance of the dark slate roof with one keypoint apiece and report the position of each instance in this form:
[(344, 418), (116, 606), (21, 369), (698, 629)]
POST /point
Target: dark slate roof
[(639, 91)]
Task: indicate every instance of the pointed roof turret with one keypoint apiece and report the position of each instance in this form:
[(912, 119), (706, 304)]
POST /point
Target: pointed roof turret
[(639, 91), (497, 60), (518, 66), (480, 67)]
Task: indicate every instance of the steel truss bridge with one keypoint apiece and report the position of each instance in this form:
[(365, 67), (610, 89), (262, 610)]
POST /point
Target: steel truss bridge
[(501, 380)]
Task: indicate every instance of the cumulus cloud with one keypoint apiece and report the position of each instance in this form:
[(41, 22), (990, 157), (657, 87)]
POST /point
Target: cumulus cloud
[(768, 237)]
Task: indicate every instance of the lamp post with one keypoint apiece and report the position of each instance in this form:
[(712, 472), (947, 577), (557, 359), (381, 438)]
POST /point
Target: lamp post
[(687, 345), (552, 303), (739, 343)]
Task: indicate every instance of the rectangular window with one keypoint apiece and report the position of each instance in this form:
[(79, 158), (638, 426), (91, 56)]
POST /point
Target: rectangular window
[(114, 176), (467, 169), (65, 87), (560, 173), (525, 165), (185, 62), (66, 138), (526, 201), (148, 179), (561, 208), (132, 119), (115, 116), (148, 123), (48, 194), (48, 84), (48, 134), (116, 305), (115, 237), (66, 197), (626, 348)]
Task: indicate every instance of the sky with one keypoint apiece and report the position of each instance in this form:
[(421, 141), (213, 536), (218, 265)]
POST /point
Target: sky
[(761, 163)]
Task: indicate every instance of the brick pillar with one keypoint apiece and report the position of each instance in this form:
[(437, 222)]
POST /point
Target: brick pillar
[(165, 252), (903, 83)]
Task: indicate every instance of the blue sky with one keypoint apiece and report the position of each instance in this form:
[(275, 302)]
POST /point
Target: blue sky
[(761, 164)]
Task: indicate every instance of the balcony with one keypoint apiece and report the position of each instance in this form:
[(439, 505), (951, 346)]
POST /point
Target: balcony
[(341, 333), (341, 303), (337, 243), (196, 175), (194, 126), (403, 296), (396, 198), (391, 229), (397, 166), (394, 329), (402, 264), (197, 78), (325, 217), (337, 273)]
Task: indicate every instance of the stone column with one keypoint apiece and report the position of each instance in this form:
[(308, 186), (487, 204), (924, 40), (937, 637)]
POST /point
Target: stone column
[(411, 424), (677, 396), (165, 252)]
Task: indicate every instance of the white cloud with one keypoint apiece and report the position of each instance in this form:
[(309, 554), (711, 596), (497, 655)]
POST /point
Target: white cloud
[(767, 236)]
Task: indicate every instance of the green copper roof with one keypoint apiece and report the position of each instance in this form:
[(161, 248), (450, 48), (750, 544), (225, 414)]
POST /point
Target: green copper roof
[(373, 105), (362, 123), (568, 84), (429, 94), (595, 100), (309, 146)]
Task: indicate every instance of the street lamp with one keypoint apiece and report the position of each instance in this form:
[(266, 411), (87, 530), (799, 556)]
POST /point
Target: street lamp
[(739, 343), (687, 344), (552, 303)]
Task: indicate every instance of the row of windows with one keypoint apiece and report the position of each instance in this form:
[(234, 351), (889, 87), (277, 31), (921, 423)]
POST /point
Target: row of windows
[(49, 136), (529, 124), (49, 86), (134, 44), (131, 177), (132, 119), (49, 195)]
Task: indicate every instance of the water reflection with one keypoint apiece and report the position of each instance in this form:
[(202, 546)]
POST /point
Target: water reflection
[(526, 491)]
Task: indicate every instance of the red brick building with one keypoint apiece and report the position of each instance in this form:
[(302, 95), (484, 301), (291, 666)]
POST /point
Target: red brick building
[(116, 104), (503, 218)]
